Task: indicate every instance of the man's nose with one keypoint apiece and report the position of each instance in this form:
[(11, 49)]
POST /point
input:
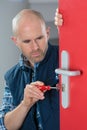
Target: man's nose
[(35, 44)]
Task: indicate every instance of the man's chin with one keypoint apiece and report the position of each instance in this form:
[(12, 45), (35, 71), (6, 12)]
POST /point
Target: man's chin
[(37, 60)]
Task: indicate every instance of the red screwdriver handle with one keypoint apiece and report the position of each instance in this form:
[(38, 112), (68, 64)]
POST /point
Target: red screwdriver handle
[(42, 88)]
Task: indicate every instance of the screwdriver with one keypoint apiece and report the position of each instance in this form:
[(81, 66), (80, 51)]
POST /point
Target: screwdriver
[(44, 87)]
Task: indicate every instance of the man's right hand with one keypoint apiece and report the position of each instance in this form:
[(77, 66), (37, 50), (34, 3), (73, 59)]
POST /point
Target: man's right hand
[(32, 93)]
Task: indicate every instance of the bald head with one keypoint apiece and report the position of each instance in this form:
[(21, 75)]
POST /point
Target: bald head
[(28, 14)]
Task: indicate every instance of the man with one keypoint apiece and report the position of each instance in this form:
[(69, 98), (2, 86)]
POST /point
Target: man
[(25, 106)]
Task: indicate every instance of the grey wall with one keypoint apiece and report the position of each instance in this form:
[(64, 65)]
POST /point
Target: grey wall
[(9, 54)]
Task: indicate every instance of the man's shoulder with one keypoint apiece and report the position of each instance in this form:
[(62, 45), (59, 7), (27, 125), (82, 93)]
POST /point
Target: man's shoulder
[(54, 48), (12, 71)]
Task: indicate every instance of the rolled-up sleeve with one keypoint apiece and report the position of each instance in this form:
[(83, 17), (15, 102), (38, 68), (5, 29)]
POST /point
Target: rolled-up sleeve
[(7, 105)]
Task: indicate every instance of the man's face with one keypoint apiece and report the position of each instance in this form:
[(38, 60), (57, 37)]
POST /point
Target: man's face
[(32, 39)]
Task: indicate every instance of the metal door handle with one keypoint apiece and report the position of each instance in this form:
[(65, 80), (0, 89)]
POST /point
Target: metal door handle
[(65, 73)]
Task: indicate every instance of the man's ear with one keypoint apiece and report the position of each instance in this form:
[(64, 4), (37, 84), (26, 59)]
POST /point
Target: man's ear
[(14, 39)]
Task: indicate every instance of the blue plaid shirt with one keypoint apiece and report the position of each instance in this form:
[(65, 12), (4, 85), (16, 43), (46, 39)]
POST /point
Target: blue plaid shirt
[(6, 106), (7, 101)]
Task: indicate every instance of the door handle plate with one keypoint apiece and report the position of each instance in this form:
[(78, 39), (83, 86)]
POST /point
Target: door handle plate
[(65, 73)]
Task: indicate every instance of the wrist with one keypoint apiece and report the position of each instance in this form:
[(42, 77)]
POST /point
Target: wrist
[(25, 106)]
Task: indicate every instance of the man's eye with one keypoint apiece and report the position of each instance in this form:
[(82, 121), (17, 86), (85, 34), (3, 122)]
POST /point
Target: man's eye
[(26, 41), (39, 37)]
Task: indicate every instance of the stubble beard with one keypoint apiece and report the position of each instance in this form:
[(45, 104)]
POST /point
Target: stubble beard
[(37, 59)]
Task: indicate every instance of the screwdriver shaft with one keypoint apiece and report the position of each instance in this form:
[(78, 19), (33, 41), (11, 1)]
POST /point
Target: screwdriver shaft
[(53, 87)]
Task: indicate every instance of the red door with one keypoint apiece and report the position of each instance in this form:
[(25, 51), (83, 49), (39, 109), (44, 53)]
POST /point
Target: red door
[(73, 61)]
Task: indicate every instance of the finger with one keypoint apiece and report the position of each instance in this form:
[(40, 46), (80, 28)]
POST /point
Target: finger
[(57, 10), (58, 21), (37, 83), (33, 91)]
